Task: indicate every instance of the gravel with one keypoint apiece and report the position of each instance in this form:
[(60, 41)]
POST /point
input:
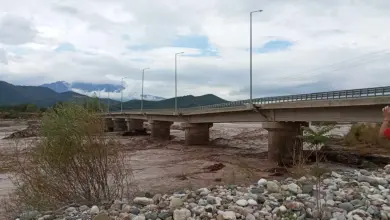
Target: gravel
[(349, 195)]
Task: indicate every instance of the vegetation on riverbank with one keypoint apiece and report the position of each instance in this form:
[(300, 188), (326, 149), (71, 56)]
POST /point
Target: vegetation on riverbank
[(72, 162)]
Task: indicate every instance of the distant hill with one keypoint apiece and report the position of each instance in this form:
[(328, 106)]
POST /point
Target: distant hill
[(11, 95), (182, 102), (40, 96)]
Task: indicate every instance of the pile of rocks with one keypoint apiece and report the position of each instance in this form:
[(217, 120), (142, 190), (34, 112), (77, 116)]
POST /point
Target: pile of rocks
[(348, 194)]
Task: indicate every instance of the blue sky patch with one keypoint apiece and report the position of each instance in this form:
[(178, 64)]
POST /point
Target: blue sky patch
[(65, 47), (274, 46), (192, 41)]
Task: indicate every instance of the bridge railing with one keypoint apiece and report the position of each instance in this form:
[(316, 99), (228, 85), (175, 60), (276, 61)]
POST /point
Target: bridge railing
[(332, 95)]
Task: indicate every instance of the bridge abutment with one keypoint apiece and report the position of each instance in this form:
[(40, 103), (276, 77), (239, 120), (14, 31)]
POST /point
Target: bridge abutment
[(197, 133), (134, 124), (108, 125), (161, 129), (119, 124), (284, 144)]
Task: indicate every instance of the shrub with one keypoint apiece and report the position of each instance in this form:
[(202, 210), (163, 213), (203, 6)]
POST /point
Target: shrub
[(72, 162), (366, 135)]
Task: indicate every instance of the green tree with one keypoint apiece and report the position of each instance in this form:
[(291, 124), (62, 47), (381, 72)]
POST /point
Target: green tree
[(316, 137)]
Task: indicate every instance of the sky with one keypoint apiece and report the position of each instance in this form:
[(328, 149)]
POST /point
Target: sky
[(299, 46)]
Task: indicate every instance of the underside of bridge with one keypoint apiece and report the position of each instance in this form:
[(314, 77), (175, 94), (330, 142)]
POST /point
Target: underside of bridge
[(284, 144)]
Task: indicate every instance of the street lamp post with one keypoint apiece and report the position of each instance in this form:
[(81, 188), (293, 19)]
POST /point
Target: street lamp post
[(122, 93), (250, 56), (176, 80), (142, 93)]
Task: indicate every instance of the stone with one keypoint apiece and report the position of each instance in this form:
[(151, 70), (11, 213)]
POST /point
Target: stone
[(242, 202), (229, 215), (94, 210), (165, 214), (152, 216), (134, 211), (181, 214), (262, 182), (139, 217), (252, 202), (203, 191), (294, 188), (143, 201), (83, 208), (30, 215), (101, 216), (273, 187), (250, 217), (347, 206), (175, 203)]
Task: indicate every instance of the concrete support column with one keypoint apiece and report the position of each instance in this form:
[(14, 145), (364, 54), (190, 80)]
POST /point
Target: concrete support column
[(284, 145), (134, 124), (161, 129), (108, 125), (119, 124), (197, 133)]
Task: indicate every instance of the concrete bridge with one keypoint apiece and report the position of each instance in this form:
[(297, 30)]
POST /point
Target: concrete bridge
[(282, 116)]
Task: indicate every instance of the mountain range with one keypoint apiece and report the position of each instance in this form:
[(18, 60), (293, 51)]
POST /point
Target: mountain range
[(85, 88), (45, 97)]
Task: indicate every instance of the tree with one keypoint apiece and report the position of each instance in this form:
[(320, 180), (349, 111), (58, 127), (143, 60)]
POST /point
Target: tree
[(316, 137)]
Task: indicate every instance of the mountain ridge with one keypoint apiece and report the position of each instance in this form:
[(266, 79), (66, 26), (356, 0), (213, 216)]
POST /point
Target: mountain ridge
[(11, 95)]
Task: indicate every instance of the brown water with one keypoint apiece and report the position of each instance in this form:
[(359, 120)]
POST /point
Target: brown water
[(169, 165)]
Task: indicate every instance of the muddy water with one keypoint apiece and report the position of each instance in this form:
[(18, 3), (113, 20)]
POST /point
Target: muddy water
[(169, 166)]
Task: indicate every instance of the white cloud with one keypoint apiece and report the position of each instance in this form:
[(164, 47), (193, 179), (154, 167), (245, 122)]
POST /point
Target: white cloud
[(103, 33)]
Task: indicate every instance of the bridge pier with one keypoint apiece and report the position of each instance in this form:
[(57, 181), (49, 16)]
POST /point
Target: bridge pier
[(284, 146), (108, 125), (161, 129), (197, 133), (119, 124), (134, 124)]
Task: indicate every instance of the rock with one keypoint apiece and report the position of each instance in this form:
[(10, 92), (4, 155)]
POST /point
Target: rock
[(252, 202), (273, 187), (94, 210), (83, 208), (165, 214), (143, 201), (30, 215), (152, 216), (139, 217), (101, 216), (198, 210), (156, 198), (257, 190), (294, 205), (262, 182), (134, 211), (175, 203), (250, 217), (294, 188), (181, 214), (282, 209), (307, 188), (242, 202), (229, 215), (347, 206), (203, 191)]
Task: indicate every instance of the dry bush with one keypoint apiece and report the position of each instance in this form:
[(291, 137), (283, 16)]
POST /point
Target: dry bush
[(72, 162), (365, 139), (365, 135)]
